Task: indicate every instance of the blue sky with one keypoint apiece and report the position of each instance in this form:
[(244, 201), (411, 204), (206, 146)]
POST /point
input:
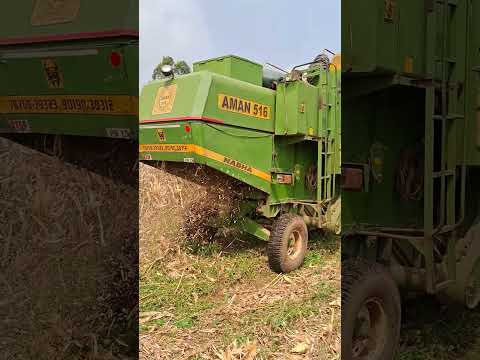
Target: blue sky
[(282, 32)]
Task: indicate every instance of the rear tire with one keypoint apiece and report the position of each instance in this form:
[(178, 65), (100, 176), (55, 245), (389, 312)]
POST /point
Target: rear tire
[(371, 312), (288, 243)]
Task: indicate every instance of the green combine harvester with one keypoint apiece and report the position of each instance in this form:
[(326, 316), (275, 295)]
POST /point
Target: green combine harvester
[(69, 72), (410, 163), (277, 133)]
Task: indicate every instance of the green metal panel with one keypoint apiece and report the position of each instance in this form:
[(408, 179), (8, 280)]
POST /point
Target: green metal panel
[(190, 97), (87, 73), (215, 145), (412, 88), (69, 68), (208, 118), (69, 17), (234, 67), (378, 35), (197, 96), (472, 133), (297, 109), (241, 153), (380, 118)]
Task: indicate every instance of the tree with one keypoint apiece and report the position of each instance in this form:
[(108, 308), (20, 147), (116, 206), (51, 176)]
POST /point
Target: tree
[(179, 68)]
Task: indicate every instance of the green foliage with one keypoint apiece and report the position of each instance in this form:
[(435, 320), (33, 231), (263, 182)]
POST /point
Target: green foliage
[(179, 68)]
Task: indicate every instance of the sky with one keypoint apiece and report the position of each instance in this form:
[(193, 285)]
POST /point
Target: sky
[(282, 32)]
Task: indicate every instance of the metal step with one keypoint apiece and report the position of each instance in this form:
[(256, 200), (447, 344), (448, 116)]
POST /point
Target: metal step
[(448, 117)]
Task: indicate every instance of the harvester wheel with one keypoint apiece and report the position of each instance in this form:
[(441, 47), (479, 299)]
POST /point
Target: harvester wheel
[(371, 312), (466, 289), (288, 243)]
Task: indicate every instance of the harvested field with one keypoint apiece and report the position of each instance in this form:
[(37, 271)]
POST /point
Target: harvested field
[(217, 299), (433, 331), (68, 260)]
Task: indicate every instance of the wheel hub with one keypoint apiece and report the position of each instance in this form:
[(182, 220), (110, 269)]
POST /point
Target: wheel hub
[(369, 331), (294, 244)]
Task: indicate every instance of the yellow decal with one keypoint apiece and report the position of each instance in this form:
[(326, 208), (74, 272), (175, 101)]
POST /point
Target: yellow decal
[(166, 148), (53, 74), (70, 104), (164, 100), (336, 63), (48, 12), (161, 135), (242, 106), (408, 64), (390, 7), (149, 148)]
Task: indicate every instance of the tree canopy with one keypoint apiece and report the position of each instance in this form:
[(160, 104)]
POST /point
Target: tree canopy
[(179, 68)]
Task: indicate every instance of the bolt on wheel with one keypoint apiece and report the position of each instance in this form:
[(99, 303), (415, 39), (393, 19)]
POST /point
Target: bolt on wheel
[(295, 244)]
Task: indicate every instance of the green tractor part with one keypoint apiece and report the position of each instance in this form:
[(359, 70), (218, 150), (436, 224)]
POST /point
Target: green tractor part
[(69, 68), (278, 134), (411, 163)]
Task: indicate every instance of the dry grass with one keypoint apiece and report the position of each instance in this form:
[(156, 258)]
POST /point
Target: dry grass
[(195, 196), (67, 259), (219, 300)]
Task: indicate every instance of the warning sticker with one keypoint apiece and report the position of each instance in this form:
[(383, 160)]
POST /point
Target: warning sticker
[(19, 126), (53, 74), (244, 107), (70, 104), (175, 148), (161, 135), (166, 148), (48, 12), (164, 100), (119, 133)]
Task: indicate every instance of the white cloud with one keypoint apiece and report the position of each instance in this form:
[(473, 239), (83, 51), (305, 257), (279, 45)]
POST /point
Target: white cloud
[(175, 28)]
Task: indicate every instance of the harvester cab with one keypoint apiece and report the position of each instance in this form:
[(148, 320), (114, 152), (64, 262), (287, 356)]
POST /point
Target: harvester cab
[(280, 135)]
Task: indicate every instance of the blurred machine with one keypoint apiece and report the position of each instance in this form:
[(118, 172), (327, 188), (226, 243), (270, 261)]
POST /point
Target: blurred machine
[(278, 134), (410, 163)]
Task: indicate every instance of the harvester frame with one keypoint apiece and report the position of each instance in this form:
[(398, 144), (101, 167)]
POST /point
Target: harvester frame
[(439, 253), (277, 152)]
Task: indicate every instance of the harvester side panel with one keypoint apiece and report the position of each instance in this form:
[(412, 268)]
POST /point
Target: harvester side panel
[(69, 68), (211, 98), (31, 21), (410, 124)]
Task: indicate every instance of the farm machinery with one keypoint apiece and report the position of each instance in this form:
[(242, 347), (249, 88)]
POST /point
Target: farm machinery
[(277, 133), (410, 163), (69, 76)]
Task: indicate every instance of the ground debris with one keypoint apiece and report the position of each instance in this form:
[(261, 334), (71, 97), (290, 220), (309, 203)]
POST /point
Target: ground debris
[(66, 264), (224, 300), (184, 204)]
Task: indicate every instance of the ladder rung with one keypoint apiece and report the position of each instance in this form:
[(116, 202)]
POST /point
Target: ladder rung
[(437, 174), (448, 117), (450, 2), (444, 284), (451, 60)]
